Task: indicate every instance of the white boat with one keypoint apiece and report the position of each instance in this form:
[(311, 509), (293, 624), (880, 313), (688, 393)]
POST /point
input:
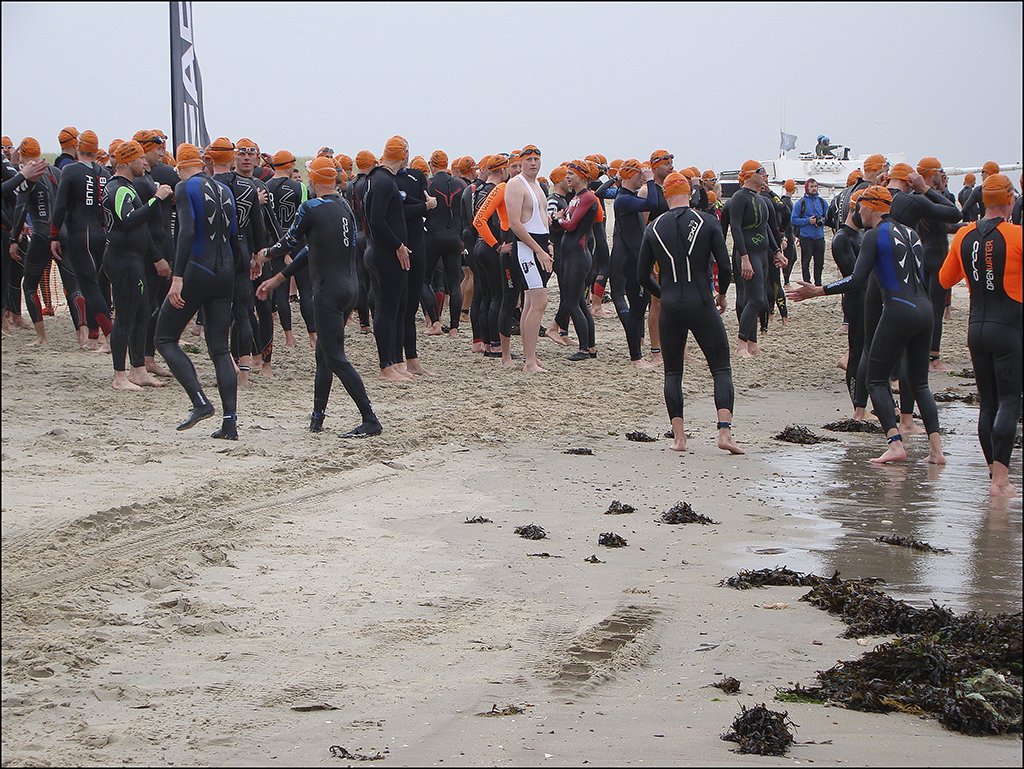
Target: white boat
[(830, 170)]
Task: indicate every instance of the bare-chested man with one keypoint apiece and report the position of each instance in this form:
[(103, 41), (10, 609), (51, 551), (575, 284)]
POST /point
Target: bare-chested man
[(529, 221)]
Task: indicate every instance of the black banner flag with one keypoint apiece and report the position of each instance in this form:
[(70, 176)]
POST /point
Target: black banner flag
[(188, 123)]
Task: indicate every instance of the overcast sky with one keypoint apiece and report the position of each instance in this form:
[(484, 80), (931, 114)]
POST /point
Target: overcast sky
[(712, 83)]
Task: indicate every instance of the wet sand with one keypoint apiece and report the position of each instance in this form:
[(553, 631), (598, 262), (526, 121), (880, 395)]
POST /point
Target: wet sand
[(171, 599)]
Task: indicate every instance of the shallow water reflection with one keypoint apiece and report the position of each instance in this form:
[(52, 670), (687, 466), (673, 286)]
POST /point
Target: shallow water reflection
[(838, 504)]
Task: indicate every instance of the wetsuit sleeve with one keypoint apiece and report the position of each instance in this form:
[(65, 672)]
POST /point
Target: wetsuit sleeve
[(634, 204), (843, 253), (130, 216), (935, 205), (721, 254), (494, 199), (606, 190), (952, 270), (737, 207), (587, 201), (299, 263), (186, 228), (10, 186), (858, 279), (376, 208), (60, 206), (645, 265), (1013, 272)]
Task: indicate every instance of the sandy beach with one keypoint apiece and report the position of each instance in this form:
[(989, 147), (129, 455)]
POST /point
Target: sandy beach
[(169, 599)]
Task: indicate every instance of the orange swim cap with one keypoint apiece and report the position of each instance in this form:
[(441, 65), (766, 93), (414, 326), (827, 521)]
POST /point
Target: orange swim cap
[(188, 156), (748, 169), (68, 138), (997, 190), (900, 171), (874, 164), (395, 149), (991, 167), (365, 159), (676, 183), (928, 166), (221, 151), (970, 179), (88, 142), (790, 186), (283, 159), (877, 198), (322, 170), (557, 175), (29, 148), (127, 152), (629, 168), (854, 177), (660, 156)]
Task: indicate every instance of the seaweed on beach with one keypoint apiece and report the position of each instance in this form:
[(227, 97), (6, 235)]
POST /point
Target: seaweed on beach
[(965, 670), (801, 435), (729, 685), (777, 577), (640, 437), (608, 539), (478, 519), (508, 710), (761, 731), (582, 452), (530, 532), (949, 396), (339, 752), (542, 555), (913, 544), (617, 508), (593, 559), (966, 373), (854, 426), (683, 513)]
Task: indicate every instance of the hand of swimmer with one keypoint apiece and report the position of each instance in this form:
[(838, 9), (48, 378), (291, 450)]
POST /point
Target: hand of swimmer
[(15, 254), (917, 182), (34, 169), (803, 291), (261, 194), (431, 202), (546, 258), (505, 248), (163, 192), (780, 260), (746, 269), (55, 249), (403, 256), (174, 293), (263, 289), (163, 268), (721, 303)]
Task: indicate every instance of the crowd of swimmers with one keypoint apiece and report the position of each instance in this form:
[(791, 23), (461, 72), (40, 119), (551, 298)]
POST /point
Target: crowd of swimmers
[(220, 240)]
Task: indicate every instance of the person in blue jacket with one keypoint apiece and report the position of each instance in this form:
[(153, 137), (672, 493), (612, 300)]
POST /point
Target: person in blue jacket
[(808, 220)]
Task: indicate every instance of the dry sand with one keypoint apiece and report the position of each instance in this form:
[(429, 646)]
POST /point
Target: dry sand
[(169, 599)]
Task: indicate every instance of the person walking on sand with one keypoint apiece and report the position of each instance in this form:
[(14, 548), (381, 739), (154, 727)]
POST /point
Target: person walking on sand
[(893, 253), (683, 243), (988, 254)]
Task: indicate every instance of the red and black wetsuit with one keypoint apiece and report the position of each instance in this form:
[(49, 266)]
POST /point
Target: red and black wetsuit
[(444, 245), (576, 262)]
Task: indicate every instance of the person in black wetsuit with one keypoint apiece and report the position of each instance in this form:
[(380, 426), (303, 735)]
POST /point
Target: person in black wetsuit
[(34, 208), (68, 140), (328, 227), (13, 271), (79, 209), (207, 260), (965, 194), (286, 196), (577, 222), (387, 257), (974, 207), (627, 236), (988, 254), (756, 243), (780, 215), (444, 241), (126, 219), (662, 164), (486, 255), (416, 202), (893, 252), (161, 231), (683, 243), (845, 249), (600, 273), (365, 161)]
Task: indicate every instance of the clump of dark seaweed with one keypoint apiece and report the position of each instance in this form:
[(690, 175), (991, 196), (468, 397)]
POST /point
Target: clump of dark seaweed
[(530, 532), (854, 426), (800, 434), (341, 752), (761, 731), (508, 710), (593, 559), (640, 437), (617, 508), (478, 519), (963, 670), (683, 513), (948, 396), (967, 373), (729, 685), (608, 539), (777, 577), (583, 452), (913, 544)]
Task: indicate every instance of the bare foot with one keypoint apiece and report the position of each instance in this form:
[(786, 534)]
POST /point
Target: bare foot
[(20, 322), (785, 322), (557, 338), (742, 351), (37, 342), (156, 369), (416, 368), (686, 355), (243, 378), (936, 458), (754, 349), (910, 428), (842, 362), (392, 374), (289, 338), (312, 341), (938, 366), (478, 347), (197, 330), (1004, 490), (656, 359), (534, 368), (726, 443), (895, 453), (145, 379), (643, 364), (267, 371), (508, 363), (453, 333), (434, 329), (120, 382)]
